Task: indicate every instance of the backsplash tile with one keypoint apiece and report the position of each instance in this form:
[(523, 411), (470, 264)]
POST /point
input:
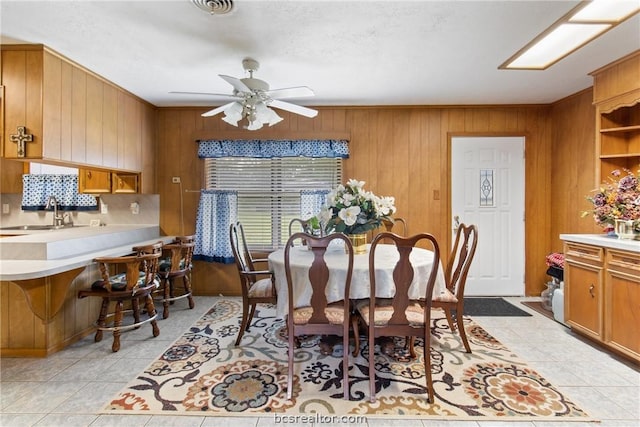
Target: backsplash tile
[(119, 211)]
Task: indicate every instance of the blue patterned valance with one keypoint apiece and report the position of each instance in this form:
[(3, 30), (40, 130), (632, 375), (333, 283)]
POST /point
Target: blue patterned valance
[(274, 148), (36, 190)]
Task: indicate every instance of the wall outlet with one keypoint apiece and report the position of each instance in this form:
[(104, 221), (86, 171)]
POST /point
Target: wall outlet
[(135, 208), (175, 180), (104, 209), (5, 208)]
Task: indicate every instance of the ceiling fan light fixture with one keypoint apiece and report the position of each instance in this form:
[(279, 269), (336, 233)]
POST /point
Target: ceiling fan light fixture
[(266, 115), (254, 125), (232, 120), (233, 114), (274, 118), (255, 100)]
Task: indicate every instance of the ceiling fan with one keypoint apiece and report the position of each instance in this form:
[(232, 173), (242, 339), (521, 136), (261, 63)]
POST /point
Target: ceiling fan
[(253, 99)]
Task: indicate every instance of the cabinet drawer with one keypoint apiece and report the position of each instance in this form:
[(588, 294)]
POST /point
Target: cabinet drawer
[(625, 262), (584, 253)]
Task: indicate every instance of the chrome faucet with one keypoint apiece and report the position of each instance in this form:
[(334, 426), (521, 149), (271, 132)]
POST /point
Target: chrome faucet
[(58, 220)]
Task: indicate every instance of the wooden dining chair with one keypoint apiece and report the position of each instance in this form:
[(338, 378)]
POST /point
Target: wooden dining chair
[(396, 225), (138, 281), (460, 258), (257, 285), (299, 225), (320, 317), (391, 225), (400, 316)]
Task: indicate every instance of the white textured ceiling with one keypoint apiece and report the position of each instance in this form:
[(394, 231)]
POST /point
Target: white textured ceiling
[(349, 52)]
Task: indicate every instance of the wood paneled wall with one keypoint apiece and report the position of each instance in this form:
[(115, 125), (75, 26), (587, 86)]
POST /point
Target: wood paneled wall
[(573, 166), (399, 151)]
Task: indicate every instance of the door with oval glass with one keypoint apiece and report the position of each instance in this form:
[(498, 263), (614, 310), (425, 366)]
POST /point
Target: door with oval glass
[(487, 189)]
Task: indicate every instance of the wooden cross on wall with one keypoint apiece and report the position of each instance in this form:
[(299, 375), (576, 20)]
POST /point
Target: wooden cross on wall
[(21, 138)]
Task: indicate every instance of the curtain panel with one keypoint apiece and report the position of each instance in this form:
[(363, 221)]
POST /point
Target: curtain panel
[(311, 202), (36, 190), (217, 210), (329, 148)]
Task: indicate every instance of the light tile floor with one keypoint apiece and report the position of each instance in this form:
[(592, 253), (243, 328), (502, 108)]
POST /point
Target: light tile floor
[(69, 387)]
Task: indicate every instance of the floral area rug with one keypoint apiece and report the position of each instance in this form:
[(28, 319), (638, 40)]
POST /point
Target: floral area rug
[(204, 372)]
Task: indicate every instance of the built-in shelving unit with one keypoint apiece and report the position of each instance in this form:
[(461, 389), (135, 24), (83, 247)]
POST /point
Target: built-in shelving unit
[(617, 100)]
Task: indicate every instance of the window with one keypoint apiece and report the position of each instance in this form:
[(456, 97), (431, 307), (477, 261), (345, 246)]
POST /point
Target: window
[(269, 191)]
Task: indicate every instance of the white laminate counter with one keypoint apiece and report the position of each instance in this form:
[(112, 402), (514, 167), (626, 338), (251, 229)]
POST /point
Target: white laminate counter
[(69, 248), (604, 241)]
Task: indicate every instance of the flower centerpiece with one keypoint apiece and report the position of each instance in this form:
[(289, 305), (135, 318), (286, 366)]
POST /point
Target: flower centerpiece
[(353, 211), (617, 203)]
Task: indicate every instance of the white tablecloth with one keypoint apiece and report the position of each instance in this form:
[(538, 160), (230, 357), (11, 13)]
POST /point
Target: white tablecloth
[(386, 259)]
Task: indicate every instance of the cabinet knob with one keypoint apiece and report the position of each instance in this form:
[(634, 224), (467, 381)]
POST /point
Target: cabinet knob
[(591, 288)]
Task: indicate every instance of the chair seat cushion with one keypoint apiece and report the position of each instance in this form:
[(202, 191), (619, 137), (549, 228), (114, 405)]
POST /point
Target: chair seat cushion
[(263, 288), (119, 282), (446, 296), (334, 313), (165, 265), (384, 311)]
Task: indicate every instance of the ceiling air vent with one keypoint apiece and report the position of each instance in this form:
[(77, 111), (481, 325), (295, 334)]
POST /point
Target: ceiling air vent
[(215, 7)]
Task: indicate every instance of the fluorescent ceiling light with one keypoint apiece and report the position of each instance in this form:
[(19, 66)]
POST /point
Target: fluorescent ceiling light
[(557, 44), (582, 24), (612, 11)]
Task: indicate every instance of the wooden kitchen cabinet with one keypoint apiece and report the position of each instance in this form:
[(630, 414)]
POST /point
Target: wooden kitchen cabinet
[(616, 92), (622, 302), (72, 116), (101, 182), (583, 299), (93, 181), (602, 294), (124, 183)]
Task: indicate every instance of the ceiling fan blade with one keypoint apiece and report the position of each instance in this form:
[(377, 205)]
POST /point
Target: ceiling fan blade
[(217, 110), (206, 93), (293, 108), (290, 92), (236, 83)]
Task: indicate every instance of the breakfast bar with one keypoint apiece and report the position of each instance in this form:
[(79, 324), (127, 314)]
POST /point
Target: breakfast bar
[(40, 275)]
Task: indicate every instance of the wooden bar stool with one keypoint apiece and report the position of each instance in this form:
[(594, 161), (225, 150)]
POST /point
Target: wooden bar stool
[(138, 281), (187, 239), (176, 267)]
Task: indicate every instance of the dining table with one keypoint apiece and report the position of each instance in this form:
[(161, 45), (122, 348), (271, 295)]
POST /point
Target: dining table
[(337, 261)]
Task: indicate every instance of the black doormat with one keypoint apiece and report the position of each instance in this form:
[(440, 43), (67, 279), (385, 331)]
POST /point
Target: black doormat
[(474, 306)]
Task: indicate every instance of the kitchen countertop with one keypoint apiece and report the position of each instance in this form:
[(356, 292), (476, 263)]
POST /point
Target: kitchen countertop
[(69, 248), (603, 240), (73, 241)]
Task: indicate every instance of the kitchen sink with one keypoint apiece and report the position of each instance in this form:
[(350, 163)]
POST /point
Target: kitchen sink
[(39, 227)]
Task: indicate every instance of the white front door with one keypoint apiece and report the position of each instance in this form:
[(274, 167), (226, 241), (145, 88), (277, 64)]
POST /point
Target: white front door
[(487, 189)]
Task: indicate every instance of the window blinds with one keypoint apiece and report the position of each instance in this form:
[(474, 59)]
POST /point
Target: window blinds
[(269, 191)]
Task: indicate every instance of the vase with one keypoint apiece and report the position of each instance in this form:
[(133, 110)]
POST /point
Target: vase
[(359, 243), (625, 230)]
